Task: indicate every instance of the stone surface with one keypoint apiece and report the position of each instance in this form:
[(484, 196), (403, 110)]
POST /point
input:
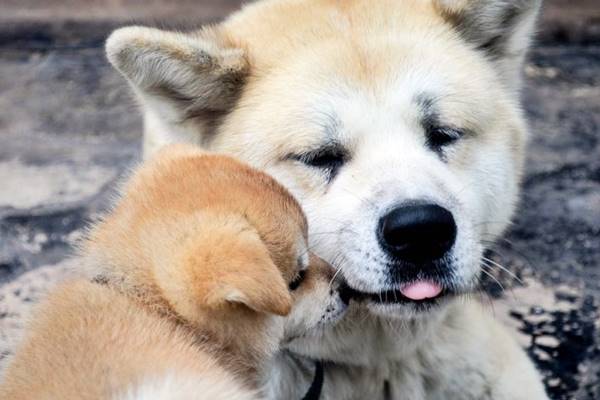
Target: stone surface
[(69, 130)]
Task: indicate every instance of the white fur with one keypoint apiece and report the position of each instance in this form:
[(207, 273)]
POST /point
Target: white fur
[(177, 387)]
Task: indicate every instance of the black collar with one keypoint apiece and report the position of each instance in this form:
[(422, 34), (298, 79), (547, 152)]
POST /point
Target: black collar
[(316, 387)]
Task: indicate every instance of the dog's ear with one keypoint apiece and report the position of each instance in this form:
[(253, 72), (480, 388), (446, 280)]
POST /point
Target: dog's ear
[(502, 29), (179, 76), (207, 262), (259, 286)]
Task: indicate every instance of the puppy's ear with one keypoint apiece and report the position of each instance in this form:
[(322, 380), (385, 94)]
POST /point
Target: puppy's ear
[(260, 287), (502, 29), (209, 261), (180, 76)]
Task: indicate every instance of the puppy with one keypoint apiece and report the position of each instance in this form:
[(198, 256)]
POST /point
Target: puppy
[(188, 279)]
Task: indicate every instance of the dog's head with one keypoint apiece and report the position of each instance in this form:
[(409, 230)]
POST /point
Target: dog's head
[(219, 245), (396, 124)]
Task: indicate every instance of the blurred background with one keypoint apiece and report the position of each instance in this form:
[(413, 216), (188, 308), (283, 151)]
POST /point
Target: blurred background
[(69, 129)]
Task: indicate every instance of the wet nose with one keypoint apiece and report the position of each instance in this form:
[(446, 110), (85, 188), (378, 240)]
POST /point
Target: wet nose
[(417, 233)]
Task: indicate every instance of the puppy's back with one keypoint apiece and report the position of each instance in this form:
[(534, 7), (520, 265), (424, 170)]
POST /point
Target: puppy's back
[(90, 342)]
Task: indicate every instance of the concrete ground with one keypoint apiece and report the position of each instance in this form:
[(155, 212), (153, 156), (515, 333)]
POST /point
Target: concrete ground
[(69, 129)]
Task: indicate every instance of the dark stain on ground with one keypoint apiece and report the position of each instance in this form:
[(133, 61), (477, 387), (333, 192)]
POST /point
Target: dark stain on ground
[(573, 344), (10, 268), (21, 231), (56, 223)]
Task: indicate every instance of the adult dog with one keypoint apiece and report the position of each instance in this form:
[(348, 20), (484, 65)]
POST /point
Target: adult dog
[(397, 125)]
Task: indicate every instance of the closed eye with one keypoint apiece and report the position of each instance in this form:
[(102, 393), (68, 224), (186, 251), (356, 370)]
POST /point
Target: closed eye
[(439, 137), (327, 159), (295, 284)]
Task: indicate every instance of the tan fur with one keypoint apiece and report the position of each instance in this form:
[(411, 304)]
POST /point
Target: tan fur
[(189, 280), (89, 342)]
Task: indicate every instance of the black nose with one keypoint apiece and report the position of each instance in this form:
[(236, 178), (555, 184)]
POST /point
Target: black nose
[(417, 233)]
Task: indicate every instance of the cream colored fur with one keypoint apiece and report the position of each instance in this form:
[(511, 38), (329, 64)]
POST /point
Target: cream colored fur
[(283, 78)]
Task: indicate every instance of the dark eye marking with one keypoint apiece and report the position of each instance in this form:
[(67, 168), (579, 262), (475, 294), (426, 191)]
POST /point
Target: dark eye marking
[(439, 137), (329, 159), (295, 284), (437, 134)]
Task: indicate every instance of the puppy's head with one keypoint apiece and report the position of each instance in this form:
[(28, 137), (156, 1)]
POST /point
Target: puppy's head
[(227, 280), (220, 245)]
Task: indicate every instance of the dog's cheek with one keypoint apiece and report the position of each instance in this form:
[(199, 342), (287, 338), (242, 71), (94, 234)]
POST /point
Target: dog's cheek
[(495, 187)]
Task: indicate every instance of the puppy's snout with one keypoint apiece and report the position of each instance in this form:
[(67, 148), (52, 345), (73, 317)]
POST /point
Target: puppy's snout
[(320, 267), (321, 272), (417, 233), (318, 300)]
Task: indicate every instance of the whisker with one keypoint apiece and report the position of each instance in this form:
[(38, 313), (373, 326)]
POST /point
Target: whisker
[(521, 254), (337, 271), (510, 273), (493, 278)]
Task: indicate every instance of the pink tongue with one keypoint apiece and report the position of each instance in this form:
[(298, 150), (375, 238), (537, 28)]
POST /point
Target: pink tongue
[(421, 290)]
